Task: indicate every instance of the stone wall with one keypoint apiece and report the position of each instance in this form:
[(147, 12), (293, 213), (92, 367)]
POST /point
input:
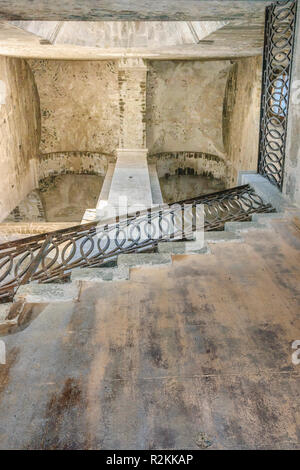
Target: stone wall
[(91, 108), (195, 163), (79, 105), (185, 106), (241, 116), (88, 163), (19, 133)]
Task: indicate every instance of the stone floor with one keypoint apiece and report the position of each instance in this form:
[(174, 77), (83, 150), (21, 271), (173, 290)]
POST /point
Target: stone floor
[(193, 355)]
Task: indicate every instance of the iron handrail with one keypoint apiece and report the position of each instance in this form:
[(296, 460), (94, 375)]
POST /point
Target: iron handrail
[(51, 256)]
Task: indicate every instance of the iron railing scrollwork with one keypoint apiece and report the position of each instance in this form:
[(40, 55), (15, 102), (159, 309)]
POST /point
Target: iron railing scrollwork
[(276, 80), (51, 257)]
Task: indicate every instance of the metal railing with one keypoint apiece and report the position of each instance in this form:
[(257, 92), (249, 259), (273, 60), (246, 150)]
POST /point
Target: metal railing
[(276, 83), (50, 257)]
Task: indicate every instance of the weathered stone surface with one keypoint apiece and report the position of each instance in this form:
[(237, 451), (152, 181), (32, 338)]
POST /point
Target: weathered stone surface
[(132, 79), (66, 197), (121, 34), (120, 273), (29, 209), (92, 163), (79, 105), (39, 293), (267, 191), (130, 188), (19, 133), (30, 228), (183, 162), (140, 259), (4, 311), (133, 9), (180, 187), (241, 114), (243, 226), (182, 247), (222, 236), (185, 106), (192, 356)]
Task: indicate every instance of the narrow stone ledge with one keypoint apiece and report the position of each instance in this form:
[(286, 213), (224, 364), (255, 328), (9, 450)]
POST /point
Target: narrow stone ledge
[(267, 217), (143, 259), (178, 248), (222, 236), (121, 273), (242, 226), (43, 293)]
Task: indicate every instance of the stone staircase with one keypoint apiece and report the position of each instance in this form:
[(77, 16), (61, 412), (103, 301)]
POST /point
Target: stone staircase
[(34, 293), (120, 271)]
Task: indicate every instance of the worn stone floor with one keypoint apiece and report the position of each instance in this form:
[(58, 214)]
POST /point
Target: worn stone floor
[(193, 355)]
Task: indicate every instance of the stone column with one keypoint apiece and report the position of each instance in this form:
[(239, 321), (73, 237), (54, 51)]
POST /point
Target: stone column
[(291, 182), (130, 181)]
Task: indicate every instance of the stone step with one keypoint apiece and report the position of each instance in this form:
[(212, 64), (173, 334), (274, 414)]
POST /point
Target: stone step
[(178, 248), (243, 226), (221, 236), (119, 273), (131, 260), (266, 217), (43, 293)]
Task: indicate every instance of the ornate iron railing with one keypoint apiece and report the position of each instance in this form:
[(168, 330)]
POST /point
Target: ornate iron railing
[(50, 257), (276, 78)]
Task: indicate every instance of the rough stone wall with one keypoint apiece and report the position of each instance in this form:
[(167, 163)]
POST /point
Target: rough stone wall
[(241, 116), (73, 163), (195, 163), (185, 106), (79, 105), (19, 133)]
